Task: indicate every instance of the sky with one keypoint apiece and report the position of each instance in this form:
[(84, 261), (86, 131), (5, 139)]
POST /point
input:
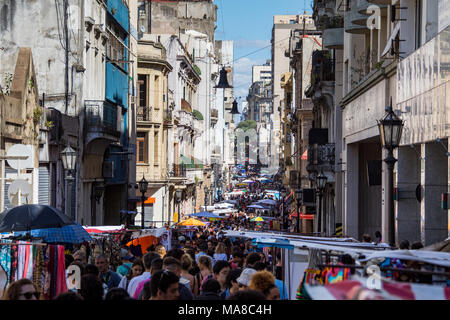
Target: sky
[(249, 24)]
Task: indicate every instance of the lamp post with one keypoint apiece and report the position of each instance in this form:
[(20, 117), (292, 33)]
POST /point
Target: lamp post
[(69, 158), (298, 197), (321, 181), (143, 185), (390, 128), (179, 194)]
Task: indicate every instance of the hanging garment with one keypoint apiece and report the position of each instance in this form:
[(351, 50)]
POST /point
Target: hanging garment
[(310, 276), (60, 275), (39, 268), (28, 264), (20, 261), (334, 274), (5, 267)]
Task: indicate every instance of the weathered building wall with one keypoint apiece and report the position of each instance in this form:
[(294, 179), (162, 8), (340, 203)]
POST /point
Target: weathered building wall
[(171, 17)]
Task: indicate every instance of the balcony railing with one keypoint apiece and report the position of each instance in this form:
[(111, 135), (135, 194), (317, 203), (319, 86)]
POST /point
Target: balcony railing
[(144, 113), (179, 171), (323, 68), (101, 115)]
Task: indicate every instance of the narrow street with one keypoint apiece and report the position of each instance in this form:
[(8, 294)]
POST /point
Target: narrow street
[(224, 150)]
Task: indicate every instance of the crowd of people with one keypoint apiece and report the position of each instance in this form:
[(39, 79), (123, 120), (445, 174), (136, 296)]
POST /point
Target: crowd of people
[(208, 266)]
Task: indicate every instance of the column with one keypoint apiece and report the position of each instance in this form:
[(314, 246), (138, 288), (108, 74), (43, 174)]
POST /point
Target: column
[(351, 191), (434, 168), (407, 207)]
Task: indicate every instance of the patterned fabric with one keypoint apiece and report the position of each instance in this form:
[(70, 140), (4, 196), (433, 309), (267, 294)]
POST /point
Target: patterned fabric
[(14, 257), (5, 267), (309, 276), (73, 233), (333, 275), (39, 268)]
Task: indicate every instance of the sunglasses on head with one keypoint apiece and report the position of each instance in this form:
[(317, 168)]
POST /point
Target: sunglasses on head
[(29, 295)]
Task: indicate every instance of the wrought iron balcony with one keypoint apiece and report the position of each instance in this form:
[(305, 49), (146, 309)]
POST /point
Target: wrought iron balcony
[(321, 157), (323, 67), (179, 171), (101, 117), (144, 113)]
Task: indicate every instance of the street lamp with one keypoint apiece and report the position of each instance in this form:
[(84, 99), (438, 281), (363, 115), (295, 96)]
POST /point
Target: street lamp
[(321, 181), (69, 158), (298, 197), (390, 128), (179, 193), (143, 185)]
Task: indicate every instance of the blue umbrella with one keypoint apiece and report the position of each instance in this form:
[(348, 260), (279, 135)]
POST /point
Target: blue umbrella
[(204, 214), (256, 206), (73, 233), (268, 201)]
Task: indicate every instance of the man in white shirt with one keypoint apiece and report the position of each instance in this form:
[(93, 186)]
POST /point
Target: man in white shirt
[(148, 258)]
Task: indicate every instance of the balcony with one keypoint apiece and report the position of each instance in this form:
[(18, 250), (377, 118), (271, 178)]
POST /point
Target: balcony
[(101, 119), (144, 113), (353, 16), (178, 171), (333, 38), (214, 116), (322, 67), (321, 157)]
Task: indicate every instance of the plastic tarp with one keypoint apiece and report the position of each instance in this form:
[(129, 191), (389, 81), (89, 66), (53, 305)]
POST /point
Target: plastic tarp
[(268, 242), (360, 288), (432, 257), (104, 229)]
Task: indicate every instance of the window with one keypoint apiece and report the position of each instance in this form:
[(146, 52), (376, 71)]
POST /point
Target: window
[(156, 103), (156, 147), (142, 83), (141, 148)]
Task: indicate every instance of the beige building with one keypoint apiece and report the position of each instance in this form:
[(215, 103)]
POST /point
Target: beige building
[(283, 25), (21, 118)]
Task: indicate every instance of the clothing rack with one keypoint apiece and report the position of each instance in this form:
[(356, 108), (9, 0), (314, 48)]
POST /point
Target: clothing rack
[(424, 272), (23, 244)]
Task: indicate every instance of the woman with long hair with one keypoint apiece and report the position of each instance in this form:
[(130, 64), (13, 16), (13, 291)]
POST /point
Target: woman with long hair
[(220, 253), (205, 265), (22, 289), (137, 268)]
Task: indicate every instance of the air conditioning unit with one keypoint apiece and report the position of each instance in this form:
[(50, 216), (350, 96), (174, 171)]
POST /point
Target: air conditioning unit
[(108, 169)]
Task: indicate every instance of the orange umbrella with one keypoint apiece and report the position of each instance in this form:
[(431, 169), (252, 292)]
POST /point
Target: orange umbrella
[(192, 222)]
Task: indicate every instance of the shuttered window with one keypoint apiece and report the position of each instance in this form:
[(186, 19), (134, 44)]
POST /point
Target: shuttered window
[(44, 185)]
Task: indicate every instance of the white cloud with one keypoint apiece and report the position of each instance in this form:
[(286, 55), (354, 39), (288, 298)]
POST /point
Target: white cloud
[(243, 75), (251, 43)]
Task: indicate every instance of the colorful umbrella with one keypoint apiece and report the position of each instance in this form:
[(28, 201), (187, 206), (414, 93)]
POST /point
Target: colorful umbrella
[(191, 222), (259, 219), (73, 233)]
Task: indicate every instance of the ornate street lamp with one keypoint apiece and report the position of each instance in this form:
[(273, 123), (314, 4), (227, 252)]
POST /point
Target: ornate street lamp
[(321, 181), (69, 159), (179, 193), (143, 185), (390, 128), (298, 197), (223, 81)]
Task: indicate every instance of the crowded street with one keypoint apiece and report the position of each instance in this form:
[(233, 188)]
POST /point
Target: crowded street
[(225, 151)]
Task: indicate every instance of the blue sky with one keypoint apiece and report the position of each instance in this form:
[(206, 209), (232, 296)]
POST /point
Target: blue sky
[(249, 24)]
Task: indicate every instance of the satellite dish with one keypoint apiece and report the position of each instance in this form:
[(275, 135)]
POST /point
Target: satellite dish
[(25, 192), (21, 150)]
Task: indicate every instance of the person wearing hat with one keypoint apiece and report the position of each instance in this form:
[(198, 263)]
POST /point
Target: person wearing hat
[(244, 279)]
